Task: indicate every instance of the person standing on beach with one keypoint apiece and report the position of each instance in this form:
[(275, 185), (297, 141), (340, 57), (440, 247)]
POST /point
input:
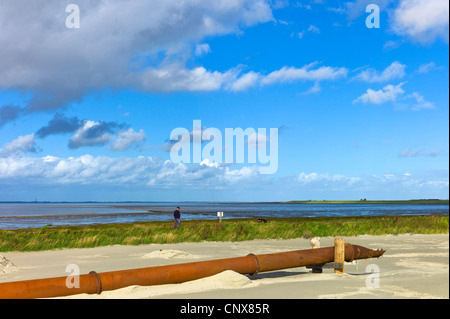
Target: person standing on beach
[(177, 217)]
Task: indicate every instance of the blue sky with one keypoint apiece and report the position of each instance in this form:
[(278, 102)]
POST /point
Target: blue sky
[(86, 113)]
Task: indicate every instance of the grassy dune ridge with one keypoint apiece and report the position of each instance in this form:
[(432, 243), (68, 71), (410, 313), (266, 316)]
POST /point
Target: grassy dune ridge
[(48, 238)]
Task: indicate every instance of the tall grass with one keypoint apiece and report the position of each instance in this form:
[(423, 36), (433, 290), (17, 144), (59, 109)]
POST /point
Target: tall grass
[(48, 238)]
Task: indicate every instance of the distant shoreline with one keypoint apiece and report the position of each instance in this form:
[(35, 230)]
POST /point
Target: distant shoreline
[(362, 201), (410, 201)]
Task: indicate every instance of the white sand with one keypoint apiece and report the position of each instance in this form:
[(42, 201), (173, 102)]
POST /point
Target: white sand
[(6, 266), (169, 254), (414, 266)]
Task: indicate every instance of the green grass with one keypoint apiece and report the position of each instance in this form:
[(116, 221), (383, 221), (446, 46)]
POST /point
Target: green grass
[(49, 238)]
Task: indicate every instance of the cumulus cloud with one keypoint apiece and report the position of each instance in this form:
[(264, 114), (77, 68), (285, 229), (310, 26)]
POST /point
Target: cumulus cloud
[(67, 64), (246, 81), (176, 77), (422, 20), (111, 47), (126, 138), (19, 146), (394, 71), (92, 134), (144, 173), (389, 93), (60, 124)]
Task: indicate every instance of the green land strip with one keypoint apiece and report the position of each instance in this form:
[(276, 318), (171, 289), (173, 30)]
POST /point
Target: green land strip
[(50, 238)]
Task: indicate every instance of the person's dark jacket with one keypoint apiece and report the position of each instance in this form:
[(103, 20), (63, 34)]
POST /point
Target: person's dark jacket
[(176, 213)]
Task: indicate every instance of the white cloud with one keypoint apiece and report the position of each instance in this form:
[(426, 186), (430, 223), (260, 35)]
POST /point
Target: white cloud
[(389, 93), (131, 34), (355, 9), (420, 102), (314, 29), (246, 81), (22, 144), (428, 67), (175, 77), (326, 179), (202, 49), (90, 134), (235, 82), (134, 35), (141, 171), (314, 89), (394, 71), (407, 152), (144, 173), (311, 29), (408, 185), (422, 20), (126, 138), (290, 74)]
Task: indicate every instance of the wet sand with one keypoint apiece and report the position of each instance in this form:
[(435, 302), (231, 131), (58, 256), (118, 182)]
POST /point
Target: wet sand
[(414, 266)]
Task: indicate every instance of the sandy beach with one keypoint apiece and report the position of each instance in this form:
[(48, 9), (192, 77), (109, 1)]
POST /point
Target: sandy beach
[(414, 266)]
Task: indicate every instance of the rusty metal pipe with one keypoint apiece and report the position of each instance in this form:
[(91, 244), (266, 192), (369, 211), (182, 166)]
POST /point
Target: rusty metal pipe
[(95, 283)]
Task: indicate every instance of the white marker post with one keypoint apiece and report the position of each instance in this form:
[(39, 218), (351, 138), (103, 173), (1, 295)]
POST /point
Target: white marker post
[(220, 215)]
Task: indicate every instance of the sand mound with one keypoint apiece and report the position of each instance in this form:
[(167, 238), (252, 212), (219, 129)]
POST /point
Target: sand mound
[(225, 280), (6, 266), (170, 254)]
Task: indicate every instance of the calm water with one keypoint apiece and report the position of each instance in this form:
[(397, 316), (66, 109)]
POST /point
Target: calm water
[(35, 215)]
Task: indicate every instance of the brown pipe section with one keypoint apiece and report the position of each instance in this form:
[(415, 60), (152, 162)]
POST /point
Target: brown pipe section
[(94, 283)]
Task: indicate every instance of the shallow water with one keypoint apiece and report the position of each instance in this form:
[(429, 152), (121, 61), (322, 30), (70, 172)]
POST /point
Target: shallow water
[(35, 215)]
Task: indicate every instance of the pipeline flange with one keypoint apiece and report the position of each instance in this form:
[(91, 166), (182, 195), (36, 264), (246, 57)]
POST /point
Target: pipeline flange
[(98, 281), (257, 263)]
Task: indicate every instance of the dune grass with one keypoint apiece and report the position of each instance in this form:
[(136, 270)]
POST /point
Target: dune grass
[(49, 238)]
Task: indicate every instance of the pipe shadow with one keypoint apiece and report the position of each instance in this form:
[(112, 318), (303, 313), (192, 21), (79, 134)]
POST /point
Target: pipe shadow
[(277, 274), (281, 274), (360, 274)]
